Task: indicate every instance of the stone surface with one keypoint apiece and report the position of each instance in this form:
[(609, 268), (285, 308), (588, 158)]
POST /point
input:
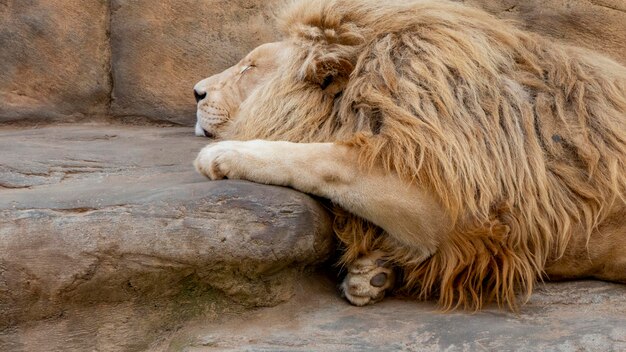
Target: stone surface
[(92, 214), (161, 49), (560, 317), (573, 316), (54, 61), (599, 25)]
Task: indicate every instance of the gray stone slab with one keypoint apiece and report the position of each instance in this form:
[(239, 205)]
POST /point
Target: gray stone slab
[(560, 317), (564, 317), (94, 214)]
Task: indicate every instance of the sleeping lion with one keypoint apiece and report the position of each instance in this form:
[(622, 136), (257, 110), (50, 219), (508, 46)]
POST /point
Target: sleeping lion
[(467, 159)]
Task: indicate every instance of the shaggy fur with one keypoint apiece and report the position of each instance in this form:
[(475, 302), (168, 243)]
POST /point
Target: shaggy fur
[(523, 140)]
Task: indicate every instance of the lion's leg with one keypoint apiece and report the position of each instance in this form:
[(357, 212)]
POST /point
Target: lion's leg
[(608, 247), (404, 210), (369, 273), (602, 256)]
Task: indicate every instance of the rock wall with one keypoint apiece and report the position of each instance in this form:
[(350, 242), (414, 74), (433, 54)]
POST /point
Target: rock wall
[(160, 49), (54, 59), (599, 25), (137, 60)]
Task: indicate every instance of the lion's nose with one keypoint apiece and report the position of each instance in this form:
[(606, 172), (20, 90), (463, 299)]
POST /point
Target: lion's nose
[(199, 96)]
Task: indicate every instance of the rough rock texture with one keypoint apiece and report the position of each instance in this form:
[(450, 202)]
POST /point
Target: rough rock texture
[(599, 25), (560, 317), (92, 214), (161, 49), (132, 60), (564, 317), (54, 59)]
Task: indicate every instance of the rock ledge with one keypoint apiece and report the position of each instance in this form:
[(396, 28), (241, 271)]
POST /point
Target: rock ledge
[(92, 214)]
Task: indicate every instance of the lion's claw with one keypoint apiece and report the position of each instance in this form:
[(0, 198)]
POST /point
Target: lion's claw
[(368, 279), (214, 161)]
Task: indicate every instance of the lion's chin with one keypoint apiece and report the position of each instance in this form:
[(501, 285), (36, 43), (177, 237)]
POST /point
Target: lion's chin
[(199, 131), (208, 133), (208, 125)]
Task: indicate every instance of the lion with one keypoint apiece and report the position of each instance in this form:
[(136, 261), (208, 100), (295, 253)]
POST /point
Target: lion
[(467, 159)]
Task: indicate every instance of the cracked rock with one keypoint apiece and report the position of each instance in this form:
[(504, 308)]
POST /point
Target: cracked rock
[(129, 218)]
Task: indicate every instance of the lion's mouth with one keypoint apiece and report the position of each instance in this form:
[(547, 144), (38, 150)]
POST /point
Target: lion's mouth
[(202, 131), (209, 121)]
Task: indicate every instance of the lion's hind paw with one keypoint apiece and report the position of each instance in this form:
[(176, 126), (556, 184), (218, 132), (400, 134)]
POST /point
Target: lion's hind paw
[(368, 279)]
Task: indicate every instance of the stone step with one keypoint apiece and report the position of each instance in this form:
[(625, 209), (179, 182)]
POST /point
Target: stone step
[(95, 214), (568, 316)]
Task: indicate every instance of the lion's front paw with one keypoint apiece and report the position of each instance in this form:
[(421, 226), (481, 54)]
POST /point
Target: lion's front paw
[(368, 279), (216, 161)]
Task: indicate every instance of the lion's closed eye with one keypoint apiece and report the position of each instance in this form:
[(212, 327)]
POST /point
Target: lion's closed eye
[(246, 68)]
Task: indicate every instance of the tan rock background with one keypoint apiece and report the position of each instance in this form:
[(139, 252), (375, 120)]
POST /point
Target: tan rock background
[(599, 25), (137, 60), (132, 60), (162, 48), (54, 59)]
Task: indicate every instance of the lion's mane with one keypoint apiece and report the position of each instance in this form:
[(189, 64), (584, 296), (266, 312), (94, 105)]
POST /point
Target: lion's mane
[(522, 139)]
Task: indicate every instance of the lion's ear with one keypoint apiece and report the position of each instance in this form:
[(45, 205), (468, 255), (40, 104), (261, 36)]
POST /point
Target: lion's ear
[(331, 74)]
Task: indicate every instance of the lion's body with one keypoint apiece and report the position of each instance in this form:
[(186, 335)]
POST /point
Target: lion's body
[(522, 141)]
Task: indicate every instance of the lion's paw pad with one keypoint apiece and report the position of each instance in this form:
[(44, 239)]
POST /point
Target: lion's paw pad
[(368, 279)]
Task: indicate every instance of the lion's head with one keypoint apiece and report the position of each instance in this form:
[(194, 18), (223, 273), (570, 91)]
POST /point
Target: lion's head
[(298, 82), (220, 96), (521, 139)]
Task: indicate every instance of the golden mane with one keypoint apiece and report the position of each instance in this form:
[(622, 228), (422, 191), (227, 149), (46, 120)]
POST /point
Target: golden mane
[(523, 140)]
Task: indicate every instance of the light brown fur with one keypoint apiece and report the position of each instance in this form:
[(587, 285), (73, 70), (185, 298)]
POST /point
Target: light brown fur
[(521, 141)]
